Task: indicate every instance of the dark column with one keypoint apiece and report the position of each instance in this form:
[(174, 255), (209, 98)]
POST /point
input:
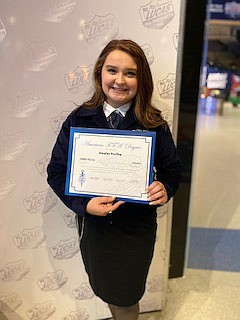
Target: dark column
[(191, 66)]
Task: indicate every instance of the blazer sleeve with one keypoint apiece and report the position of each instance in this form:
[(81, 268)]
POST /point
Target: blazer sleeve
[(167, 162), (57, 168)]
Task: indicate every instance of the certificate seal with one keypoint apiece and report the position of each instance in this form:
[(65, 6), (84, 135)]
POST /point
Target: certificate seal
[(82, 178)]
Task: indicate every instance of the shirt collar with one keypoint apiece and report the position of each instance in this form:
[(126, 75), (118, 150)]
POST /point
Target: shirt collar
[(108, 109)]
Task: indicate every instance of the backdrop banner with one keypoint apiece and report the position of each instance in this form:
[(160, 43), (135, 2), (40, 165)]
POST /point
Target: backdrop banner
[(47, 52)]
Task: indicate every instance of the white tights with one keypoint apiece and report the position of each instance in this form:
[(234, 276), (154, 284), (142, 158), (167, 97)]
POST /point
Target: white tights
[(124, 313)]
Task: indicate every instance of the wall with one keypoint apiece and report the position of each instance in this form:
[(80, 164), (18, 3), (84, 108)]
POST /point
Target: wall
[(47, 52)]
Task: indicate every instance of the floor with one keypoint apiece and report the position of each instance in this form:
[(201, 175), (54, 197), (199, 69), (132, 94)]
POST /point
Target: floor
[(201, 295), (210, 289)]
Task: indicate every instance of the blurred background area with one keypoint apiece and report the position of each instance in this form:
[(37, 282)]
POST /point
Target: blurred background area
[(208, 134)]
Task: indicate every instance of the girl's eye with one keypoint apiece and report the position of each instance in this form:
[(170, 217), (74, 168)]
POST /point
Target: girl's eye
[(111, 70), (131, 74)]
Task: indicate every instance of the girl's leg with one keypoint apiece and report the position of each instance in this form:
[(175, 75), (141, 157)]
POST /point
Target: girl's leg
[(125, 313), (112, 309)]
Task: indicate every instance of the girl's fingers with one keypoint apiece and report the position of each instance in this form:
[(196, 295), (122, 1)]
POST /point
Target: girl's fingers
[(157, 194)]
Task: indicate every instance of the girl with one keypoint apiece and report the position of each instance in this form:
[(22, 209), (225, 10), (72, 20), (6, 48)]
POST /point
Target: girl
[(118, 238)]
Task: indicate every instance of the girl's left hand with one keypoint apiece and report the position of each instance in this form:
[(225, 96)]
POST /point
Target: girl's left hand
[(157, 194)]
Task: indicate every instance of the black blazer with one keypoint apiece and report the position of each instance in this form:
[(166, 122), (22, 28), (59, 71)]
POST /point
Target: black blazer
[(166, 160)]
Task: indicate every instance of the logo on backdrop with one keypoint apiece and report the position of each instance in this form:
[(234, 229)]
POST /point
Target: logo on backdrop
[(157, 14), (40, 202), (56, 123), (26, 102), (76, 79), (150, 304), (3, 31), (11, 146), (42, 164), (7, 185), (162, 211), (40, 56), (65, 249), (84, 291), (29, 238), (52, 281), (166, 86), (175, 40), (41, 311), (80, 314), (147, 49), (57, 10), (97, 27), (167, 116), (70, 219), (155, 284), (13, 271), (10, 303)]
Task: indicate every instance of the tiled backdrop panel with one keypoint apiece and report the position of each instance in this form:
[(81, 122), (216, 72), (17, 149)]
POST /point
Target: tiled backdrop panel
[(47, 52)]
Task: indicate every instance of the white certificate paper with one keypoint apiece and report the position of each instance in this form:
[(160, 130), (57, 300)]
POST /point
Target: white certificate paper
[(109, 162)]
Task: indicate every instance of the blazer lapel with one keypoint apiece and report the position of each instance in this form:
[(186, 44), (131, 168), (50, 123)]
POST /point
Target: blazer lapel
[(93, 117), (129, 121), (101, 120)]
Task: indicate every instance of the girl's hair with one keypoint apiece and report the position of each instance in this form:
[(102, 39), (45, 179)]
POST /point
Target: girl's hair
[(145, 113)]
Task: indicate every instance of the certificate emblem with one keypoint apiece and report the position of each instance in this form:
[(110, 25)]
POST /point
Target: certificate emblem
[(82, 178), (116, 163)]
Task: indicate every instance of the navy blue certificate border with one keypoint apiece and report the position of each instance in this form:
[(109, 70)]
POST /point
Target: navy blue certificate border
[(95, 131)]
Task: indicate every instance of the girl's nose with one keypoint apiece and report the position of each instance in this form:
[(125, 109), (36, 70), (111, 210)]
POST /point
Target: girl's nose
[(120, 79)]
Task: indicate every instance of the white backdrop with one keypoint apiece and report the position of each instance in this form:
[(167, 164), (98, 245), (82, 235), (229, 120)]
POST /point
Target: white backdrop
[(47, 52)]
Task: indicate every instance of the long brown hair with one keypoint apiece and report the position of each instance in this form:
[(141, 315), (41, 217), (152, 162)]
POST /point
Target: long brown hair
[(146, 114)]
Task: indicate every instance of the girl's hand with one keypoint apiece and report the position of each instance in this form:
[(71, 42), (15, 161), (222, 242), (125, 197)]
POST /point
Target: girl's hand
[(102, 206), (157, 194)]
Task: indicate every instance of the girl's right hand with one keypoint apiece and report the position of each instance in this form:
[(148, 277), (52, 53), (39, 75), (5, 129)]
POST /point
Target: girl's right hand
[(102, 206)]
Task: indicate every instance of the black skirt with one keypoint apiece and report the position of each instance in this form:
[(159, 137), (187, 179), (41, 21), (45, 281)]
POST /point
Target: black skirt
[(117, 252)]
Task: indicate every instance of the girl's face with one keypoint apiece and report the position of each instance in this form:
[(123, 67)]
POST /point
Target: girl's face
[(119, 78)]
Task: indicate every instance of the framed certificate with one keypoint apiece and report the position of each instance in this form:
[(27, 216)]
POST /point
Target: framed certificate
[(116, 163)]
